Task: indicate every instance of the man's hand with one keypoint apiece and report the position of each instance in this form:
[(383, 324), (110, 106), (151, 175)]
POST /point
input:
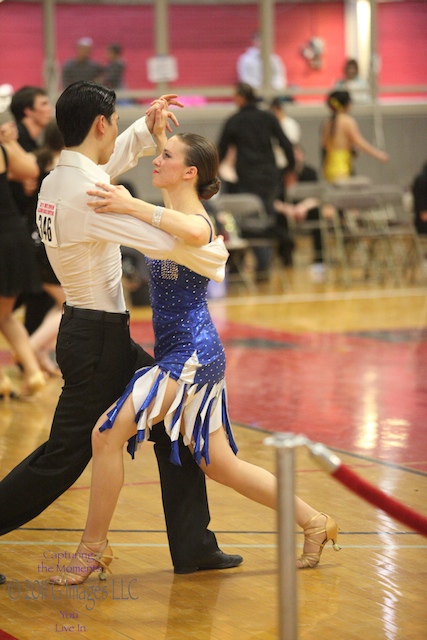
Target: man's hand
[(164, 102)]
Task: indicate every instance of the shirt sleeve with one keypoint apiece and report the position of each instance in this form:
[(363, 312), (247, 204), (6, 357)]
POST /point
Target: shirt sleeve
[(208, 261), (130, 232), (133, 143)]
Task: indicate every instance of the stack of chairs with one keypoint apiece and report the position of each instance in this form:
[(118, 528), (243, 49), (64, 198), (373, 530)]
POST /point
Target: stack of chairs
[(253, 229), (377, 236)]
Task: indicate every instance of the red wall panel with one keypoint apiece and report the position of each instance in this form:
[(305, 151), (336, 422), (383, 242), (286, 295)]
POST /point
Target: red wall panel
[(207, 40), (402, 29)]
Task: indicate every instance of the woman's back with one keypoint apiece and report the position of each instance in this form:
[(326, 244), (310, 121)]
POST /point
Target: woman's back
[(337, 145), (337, 132)]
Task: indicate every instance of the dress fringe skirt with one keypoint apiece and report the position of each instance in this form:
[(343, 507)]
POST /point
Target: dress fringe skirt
[(199, 409)]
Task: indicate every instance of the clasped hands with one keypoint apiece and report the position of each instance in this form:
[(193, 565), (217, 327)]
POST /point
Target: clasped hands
[(159, 109)]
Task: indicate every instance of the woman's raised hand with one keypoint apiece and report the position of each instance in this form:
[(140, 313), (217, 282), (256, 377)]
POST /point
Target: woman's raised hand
[(163, 103)]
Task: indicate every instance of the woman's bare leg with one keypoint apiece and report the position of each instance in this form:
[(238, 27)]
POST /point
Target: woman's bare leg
[(252, 481), (108, 454), (107, 449), (44, 337), (17, 336)]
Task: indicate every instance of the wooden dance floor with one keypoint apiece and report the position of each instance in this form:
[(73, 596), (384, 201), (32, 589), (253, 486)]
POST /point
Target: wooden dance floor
[(346, 367)]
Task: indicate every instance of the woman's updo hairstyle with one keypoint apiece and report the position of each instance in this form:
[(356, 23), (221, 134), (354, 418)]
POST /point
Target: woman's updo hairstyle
[(202, 154)]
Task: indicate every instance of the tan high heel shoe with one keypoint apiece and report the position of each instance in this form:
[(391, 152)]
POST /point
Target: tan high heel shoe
[(6, 390), (34, 383), (330, 532), (90, 561)]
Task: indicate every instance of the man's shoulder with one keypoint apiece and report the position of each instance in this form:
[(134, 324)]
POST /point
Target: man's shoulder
[(70, 63), (93, 64), (24, 138)]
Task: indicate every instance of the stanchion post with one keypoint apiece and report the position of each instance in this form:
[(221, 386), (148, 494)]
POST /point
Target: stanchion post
[(285, 444)]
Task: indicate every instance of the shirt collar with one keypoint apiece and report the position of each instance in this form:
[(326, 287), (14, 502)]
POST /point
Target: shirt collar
[(79, 161)]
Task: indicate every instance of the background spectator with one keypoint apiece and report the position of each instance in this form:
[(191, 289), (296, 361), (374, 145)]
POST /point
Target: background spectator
[(357, 87), (419, 192), (306, 209), (291, 129), (113, 75), (31, 108), (252, 132), (81, 67), (249, 66), (341, 138)]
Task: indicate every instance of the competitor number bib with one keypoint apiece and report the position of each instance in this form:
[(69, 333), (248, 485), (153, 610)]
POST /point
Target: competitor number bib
[(46, 222)]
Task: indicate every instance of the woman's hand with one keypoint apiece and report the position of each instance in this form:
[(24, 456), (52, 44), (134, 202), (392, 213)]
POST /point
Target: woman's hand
[(164, 102), (160, 126), (111, 199)]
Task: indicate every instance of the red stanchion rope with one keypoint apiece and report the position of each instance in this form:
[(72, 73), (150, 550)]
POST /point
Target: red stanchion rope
[(380, 499)]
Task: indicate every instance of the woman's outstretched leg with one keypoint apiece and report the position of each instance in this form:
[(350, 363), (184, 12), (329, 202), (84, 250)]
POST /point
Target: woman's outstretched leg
[(260, 485)]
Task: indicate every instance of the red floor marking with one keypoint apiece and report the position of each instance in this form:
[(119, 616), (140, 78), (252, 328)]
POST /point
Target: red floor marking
[(364, 393), (6, 636)]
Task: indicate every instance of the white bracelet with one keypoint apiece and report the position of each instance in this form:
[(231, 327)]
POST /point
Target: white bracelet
[(157, 216)]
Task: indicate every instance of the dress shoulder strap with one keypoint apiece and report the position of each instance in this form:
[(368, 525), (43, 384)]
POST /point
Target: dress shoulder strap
[(207, 222)]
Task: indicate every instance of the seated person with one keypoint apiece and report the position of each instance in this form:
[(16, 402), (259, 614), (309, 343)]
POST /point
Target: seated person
[(307, 209)]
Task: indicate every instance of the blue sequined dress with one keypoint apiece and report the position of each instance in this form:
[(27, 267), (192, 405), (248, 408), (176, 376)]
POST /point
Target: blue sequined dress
[(187, 349)]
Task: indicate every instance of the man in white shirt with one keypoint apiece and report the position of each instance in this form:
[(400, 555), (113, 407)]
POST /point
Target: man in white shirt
[(249, 67), (94, 350)]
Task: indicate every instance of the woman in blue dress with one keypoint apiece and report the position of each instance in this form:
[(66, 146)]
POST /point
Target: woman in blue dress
[(185, 388)]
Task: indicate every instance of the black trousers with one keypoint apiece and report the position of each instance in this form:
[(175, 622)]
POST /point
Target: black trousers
[(97, 358)]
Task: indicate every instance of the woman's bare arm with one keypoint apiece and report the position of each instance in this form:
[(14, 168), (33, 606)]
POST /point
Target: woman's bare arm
[(191, 228), (359, 141)]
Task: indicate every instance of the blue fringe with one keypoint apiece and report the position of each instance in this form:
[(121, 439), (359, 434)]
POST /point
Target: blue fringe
[(174, 455), (226, 423), (199, 430)]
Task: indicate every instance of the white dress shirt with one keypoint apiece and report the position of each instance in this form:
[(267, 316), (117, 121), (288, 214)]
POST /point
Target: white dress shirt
[(292, 131), (84, 247), (249, 69)]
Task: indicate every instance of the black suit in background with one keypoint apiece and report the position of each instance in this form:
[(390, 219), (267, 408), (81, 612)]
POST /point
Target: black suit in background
[(252, 132), (419, 192), (36, 304)]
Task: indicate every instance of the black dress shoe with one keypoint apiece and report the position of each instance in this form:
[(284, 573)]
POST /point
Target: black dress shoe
[(2, 578), (217, 560)]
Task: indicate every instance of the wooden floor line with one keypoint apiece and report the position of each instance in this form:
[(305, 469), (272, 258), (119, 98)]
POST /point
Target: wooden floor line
[(360, 456), (240, 532), (322, 296), (244, 532), (156, 545)]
